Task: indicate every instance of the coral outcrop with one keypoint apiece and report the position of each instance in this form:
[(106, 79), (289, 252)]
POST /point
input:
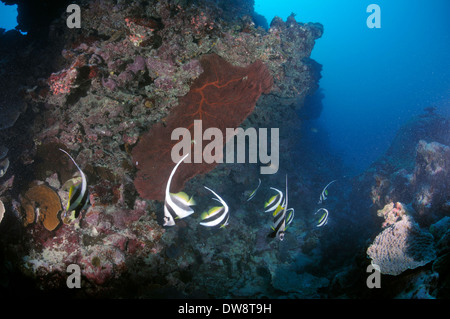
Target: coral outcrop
[(414, 171), (399, 210), (424, 189), (100, 245), (432, 179), (391, 213)]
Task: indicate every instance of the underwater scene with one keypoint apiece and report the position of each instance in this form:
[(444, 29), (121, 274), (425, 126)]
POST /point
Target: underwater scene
[(225, 149)]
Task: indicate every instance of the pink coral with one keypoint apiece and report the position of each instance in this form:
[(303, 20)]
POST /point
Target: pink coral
[(62, 82)]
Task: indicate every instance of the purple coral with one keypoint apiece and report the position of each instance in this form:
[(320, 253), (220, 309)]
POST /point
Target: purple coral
[(138, 65), (110, 84)]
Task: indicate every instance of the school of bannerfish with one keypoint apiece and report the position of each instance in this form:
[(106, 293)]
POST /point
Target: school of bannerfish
[(179, 205)]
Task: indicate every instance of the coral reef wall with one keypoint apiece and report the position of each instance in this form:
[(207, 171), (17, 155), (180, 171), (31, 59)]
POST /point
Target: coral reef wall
[(94, 92)]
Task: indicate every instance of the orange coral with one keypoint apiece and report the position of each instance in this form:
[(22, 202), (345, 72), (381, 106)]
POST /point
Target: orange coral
[(28, 209), (47, 202)]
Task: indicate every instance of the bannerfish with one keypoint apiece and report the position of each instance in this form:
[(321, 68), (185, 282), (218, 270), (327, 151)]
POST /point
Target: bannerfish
[(324, 194), (78, 195), (176, 205), (324, 218), (252, 194), (274, 201), (279, 221), (216, 215)]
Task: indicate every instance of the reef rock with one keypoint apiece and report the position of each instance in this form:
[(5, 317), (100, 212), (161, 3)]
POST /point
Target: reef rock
[(304, 285), (10, 107), (402, 151), (402, 246), (414, 171), (439, 228), (432, 180)]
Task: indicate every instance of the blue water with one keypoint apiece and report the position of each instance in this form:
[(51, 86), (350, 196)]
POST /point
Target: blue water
[(8, 16), (374, 80)]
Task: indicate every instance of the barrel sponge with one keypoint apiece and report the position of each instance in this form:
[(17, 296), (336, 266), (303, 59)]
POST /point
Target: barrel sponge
[(402, 246)]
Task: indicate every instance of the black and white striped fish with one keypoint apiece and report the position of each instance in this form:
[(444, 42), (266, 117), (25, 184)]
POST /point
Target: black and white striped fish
[(176, 205), (324, 194), (274, 201), (217, 215), (324, 218), (78, 195), (289, 216), (253, 193), (281, 219)]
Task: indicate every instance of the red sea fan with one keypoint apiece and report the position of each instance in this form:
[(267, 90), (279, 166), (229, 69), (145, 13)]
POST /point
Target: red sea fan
[(222, 97)]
